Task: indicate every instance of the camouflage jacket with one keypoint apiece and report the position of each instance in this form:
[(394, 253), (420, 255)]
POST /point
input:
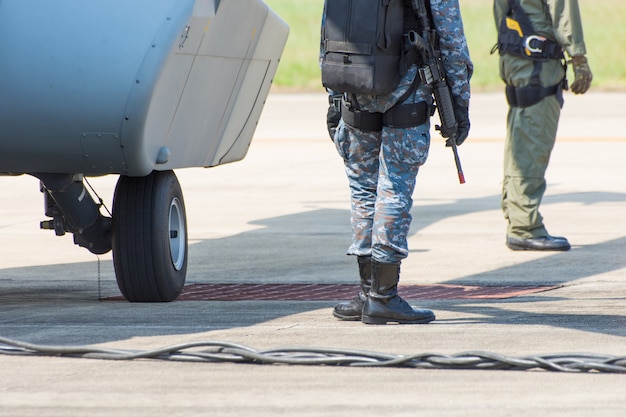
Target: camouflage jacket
[(454, 51)]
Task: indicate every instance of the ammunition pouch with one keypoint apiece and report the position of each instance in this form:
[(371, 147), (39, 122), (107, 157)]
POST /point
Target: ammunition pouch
[(399, 117), (532, 94), (406, 115), (362, 120)]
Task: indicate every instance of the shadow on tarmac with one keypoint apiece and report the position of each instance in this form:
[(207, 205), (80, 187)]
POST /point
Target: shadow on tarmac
[(295, 248)]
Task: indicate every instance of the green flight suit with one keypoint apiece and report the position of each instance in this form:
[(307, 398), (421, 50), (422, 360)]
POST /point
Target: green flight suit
[(531, 131)]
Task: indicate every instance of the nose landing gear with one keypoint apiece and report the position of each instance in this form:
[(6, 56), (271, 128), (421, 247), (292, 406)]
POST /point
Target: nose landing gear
[(149, 237), (147, 232)]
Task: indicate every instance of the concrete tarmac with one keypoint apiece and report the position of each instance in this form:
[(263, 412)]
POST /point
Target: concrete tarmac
[(281, 216)]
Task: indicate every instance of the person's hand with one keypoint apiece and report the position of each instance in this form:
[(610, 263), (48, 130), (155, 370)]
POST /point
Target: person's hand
[(582, 75), (461, 113)]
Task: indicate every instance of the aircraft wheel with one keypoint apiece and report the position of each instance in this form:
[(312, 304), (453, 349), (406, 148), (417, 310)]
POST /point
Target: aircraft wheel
[(149, 237)]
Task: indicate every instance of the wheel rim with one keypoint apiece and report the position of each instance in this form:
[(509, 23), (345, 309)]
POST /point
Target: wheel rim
[(177, 234)]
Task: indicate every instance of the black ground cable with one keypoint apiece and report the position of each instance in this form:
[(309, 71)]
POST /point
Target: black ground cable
[(217, 351)]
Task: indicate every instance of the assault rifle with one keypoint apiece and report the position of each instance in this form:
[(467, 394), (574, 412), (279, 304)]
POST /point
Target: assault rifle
[(433, 75)]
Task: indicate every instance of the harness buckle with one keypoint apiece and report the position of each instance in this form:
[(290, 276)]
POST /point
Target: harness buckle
[(534, 49)]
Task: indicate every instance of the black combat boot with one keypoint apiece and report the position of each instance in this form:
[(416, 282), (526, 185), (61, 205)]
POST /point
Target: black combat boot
[(384, 305), (351, 310)]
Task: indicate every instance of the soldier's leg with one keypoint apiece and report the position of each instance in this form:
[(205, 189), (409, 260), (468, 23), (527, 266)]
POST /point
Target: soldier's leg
[(403, 152), (530, 139), (360, 151)]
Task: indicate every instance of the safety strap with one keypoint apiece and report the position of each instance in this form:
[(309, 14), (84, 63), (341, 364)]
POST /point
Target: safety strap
[(517, 36), (528, 96), (534, 92)]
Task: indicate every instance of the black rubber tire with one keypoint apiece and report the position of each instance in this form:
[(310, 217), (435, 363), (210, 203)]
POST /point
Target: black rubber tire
[(149, 237)]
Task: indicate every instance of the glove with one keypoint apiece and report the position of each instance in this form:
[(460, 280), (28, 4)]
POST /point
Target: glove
[(582, 75), (461, 114), (334, 113)]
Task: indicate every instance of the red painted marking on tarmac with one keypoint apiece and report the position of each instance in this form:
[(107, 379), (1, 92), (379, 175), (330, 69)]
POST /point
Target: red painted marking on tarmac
[(329, 292)]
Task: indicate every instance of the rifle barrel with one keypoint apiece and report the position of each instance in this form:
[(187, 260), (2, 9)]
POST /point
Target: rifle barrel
[(457, 161)]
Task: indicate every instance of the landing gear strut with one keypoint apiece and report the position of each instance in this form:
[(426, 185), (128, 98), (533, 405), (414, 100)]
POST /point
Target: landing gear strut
[(147, 232)]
